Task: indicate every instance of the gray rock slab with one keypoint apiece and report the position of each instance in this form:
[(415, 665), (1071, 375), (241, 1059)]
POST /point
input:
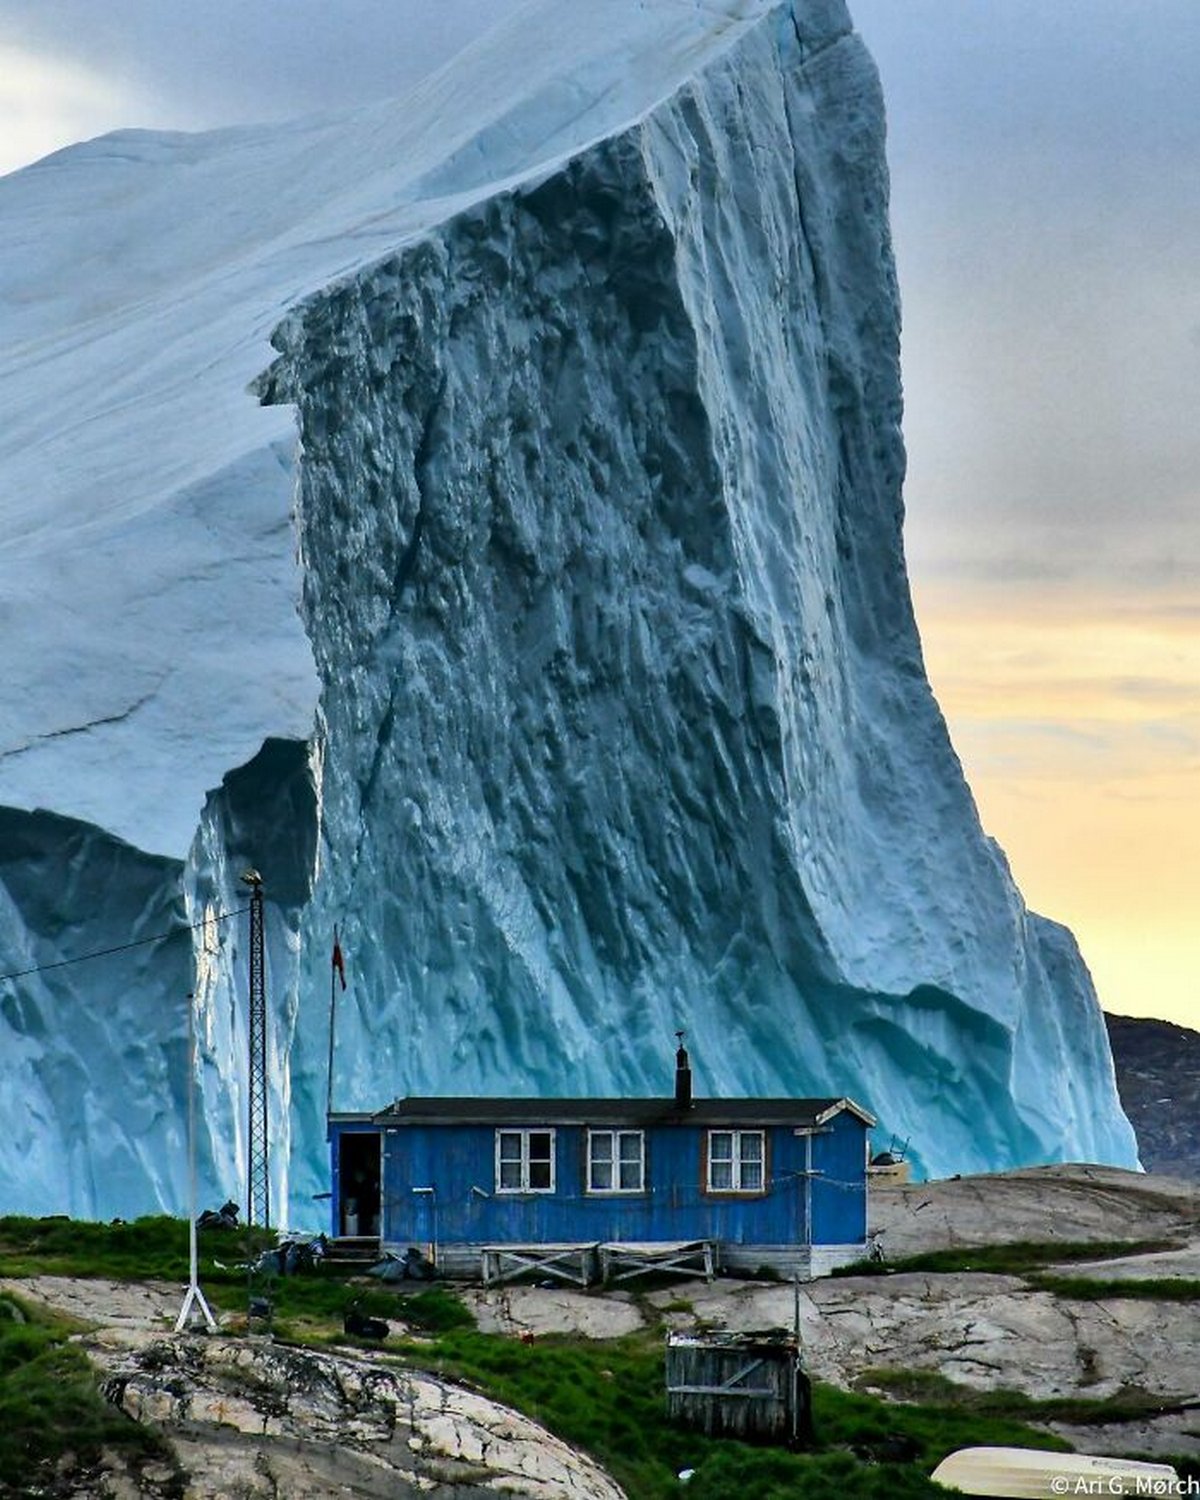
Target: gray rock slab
[(1174, 1435), (1068, 1202), (537, 1310), (1181, 1264)]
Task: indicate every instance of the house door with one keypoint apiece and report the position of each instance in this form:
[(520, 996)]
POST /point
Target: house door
[(423, 1217), (360, 1182)]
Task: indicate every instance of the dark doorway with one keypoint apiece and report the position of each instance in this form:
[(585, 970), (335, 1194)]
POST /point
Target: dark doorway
[(359, 1163)]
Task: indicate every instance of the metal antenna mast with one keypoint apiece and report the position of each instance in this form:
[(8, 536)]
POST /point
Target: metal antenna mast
[(258, 1189)]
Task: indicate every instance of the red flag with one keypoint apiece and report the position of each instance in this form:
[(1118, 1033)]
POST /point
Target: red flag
[(338, 962)]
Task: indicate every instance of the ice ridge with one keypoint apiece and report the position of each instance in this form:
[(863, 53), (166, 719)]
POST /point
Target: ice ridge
[(604, 710)]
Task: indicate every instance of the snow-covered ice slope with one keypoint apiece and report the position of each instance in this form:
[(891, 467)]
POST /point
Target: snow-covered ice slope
[(145, 498), (621, 717)]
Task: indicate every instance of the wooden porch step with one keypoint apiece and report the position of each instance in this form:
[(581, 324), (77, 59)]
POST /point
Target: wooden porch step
[(354, 1249)]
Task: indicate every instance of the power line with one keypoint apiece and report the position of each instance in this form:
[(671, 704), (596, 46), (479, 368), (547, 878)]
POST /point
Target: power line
[(62, 963)]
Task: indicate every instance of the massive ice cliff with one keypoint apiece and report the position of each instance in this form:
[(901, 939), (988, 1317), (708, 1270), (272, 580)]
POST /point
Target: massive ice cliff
[(618, 721)]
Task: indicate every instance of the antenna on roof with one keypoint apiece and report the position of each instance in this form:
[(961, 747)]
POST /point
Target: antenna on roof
[(337, 970)]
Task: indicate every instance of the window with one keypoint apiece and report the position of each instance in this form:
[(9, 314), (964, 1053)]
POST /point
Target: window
[(524, 1161), (736, 1161), (616, 1161)]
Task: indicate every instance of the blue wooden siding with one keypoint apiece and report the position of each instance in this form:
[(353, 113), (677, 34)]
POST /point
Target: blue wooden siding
[(839, 1184), (458, 1162)]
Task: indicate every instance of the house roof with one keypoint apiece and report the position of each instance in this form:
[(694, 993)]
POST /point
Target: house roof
[(800, 1113)]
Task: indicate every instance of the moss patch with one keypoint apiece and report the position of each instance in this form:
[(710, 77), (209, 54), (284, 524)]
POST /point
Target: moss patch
[(609, 1400), (1020, 1258), (930, 1387), (51, 1408), (1095, 1289)]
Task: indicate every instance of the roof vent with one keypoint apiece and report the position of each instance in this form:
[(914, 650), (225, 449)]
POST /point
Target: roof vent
[(683, 1076)]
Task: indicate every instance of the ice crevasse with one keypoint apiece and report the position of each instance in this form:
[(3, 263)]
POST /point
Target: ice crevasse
[(619, 718)]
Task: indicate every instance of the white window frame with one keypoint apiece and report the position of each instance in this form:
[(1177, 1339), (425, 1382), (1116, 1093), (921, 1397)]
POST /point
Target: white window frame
[(525, 1131), (736, 1162), (614, 1135)]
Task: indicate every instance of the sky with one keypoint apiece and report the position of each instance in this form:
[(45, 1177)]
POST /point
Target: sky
[(1046, 219)]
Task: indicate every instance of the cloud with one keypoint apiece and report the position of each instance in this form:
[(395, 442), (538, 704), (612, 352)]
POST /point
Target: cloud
[(1046, 255), (1075, 712), (215, 62), (47, 104), (1071, 687)]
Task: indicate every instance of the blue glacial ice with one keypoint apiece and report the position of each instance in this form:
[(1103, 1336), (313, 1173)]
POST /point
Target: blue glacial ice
[(603, 712)]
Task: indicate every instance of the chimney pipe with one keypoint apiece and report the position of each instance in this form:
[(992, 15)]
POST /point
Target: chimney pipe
[(683, 1076)]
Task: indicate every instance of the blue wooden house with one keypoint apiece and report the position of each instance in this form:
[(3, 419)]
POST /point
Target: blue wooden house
[(576, 1187)]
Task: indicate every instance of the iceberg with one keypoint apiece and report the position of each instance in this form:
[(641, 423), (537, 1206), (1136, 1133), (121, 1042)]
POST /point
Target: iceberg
[(565, 660)]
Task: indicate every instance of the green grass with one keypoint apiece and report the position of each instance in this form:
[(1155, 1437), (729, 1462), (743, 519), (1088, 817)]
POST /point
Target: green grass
[(50, 1406), (156, 1249), (1020, 1258), (932, 1388), (1030, 1258), (759, 1474), (147, 1249), (49, 1401), (608, 1400), (306, 1307), (144, 1250), (310, 1309), (435, 1311), (1094, 1289)]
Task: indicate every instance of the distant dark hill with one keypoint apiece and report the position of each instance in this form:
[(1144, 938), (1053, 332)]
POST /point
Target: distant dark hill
[(1158, 1077)]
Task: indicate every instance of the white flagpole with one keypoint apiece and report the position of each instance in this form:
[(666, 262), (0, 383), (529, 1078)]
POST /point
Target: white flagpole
[(195, 1297)]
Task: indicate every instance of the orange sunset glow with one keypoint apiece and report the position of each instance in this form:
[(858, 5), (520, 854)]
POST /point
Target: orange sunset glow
[(1078, 725)]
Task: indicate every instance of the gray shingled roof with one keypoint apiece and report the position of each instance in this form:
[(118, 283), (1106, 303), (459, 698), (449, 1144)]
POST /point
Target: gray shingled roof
[(483, 1111)]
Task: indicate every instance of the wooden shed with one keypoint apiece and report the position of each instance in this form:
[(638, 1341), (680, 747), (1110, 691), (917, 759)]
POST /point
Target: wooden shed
[(741, 1385)]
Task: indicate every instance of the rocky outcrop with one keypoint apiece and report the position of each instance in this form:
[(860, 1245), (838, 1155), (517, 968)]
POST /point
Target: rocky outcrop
[(250, 1418), (984, 1331), (1158, 1078), (255, 1418), (1068, 1203), (249, 1415)]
